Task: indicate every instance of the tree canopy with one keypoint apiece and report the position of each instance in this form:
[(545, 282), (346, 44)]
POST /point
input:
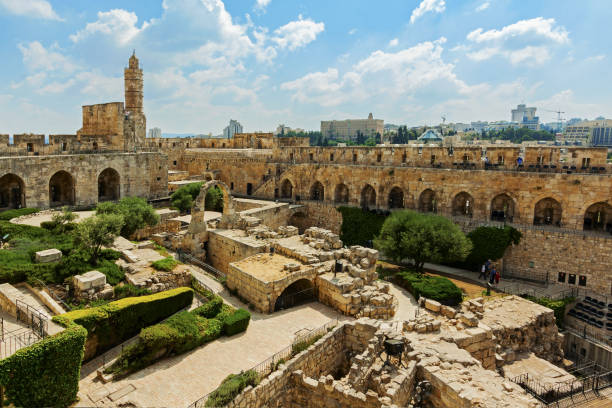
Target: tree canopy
[(136, 213), (97, 231), (422, 238), (182, 199)]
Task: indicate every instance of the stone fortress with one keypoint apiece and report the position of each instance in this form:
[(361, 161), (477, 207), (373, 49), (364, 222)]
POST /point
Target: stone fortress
[(105, 160)]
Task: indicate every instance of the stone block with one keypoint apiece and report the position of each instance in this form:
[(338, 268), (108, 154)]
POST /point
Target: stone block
[(48, 255), (129, 256), (468, 319), (448, 311), (89, 280), (432, 305)]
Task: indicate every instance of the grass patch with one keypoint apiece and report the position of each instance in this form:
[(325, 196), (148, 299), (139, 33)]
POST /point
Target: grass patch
[(297, 348), (10, 214), (161, 250), (166, 264)]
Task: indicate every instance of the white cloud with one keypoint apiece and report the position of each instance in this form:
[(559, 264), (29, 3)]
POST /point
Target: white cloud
[(36, 57), (483, 6), (117, 23), (594, 58), (436, 6), (538, 27), (296, 34), (260, 5), (31, 8), (352, 31), (394, 42), (529, 55), (56, 87)]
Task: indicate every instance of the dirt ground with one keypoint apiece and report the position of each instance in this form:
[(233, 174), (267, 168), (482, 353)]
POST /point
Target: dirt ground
[(470, 290)]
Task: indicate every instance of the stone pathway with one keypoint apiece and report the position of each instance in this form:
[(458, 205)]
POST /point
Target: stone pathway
[(178, 381)]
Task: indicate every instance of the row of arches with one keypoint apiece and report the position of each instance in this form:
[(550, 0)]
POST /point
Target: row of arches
[(547, 211), (62, 189)]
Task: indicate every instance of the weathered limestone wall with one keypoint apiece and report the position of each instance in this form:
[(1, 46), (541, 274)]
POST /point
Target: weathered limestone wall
[(598, 352), (224, 248), (141, 174), (317, 214), (545, 253)]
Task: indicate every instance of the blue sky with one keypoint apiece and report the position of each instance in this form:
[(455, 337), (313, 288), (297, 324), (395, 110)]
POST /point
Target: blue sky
[(266, 62)]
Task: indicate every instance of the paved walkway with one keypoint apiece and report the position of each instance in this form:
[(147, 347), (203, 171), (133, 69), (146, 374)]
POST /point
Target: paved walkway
[(180, 380)]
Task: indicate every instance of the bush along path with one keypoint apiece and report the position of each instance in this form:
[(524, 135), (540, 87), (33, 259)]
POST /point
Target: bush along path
[(180, 333)]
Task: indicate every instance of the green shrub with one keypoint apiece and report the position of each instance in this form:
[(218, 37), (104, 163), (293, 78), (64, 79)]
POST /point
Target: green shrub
[(123, 291), (136, 212), (437, 288), (117, 321), (166, 264), (236, 322), (489, 243), (201, 289), (10, 214), (297, 348), (183, 198), (211, 308), (359, 226), (47, 373), (48, 225), (230, 387), (558, 306)]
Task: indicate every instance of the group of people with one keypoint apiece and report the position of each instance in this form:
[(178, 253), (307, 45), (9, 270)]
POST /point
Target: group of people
[(488, 270)]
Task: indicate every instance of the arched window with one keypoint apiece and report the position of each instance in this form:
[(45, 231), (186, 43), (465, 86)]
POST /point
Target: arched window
[(463, 204), (427, 201), (317, 192), (547, 211), (108, 185), (396, 198), (502, 208), (61, 189), (341, 194), (368, 197), (598, 217), (286, 189)]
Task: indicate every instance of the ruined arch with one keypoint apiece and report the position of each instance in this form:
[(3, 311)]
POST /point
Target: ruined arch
[(547, 211), (61, 189), (300, 221), (198, 221), (109, 185), (317, 191), (502, 208), (598, 217), (427, 201), (299, 292), (368, 197), (463, 204), (12, 191), (341, 194), (286, 189), (396, 198)]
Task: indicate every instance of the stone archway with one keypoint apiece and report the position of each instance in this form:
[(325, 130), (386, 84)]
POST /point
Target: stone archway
[(109, 185), (300, 221), (286, 189), (61, 189), (547, 211), (368, 197), (396, 198), (341, 194), (463, 204), (502, 208), (198, 221), (12, 191), (598, 217), (427, 201), (317, 191), (299, 292)]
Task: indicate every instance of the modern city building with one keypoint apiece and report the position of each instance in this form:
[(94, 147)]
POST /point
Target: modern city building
[(349, 129), (233, 128), (525, 116), (155, 132), (589, 132)]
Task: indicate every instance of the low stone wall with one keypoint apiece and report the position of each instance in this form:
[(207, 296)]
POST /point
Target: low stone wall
[(319, 214), (224, 249), (169, 226)]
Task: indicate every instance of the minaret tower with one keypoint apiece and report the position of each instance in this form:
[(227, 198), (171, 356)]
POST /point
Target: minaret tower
[(133, 86)]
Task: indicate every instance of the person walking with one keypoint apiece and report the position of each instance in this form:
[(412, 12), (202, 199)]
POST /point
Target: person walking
[(497, 276), (483, 272), (492, 275)]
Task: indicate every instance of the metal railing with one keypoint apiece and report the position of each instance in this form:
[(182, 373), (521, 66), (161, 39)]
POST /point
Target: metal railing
[(188, 258), (586, 332), (35, 319), (53, 294), (49, 151), (270, 364), (11, 342), (552, 393)]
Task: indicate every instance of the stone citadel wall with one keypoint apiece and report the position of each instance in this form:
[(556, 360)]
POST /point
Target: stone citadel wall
[(76, 179)]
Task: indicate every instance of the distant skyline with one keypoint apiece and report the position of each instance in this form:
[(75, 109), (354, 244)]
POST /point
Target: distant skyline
[(265, 62)]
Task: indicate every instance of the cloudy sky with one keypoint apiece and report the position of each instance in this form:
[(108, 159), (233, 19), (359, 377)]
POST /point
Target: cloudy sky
[(266, 62)]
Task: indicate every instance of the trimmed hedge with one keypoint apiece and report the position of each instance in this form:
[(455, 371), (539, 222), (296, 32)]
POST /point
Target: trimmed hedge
[(180, 333), (115, 322), (10, 214), (432, 287), (359, 226), (230, 387), (236, 322), (47, 373)]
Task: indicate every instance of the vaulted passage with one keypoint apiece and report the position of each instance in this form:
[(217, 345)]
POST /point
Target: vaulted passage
[(286, 189), (109, 185), (12, 192), (463, 204), (299, 292), (317, 192), (502, 208), (547, 211), (396, 198), (598, 217), (341, 194), (368, 197), (61, 189), (427, 201)]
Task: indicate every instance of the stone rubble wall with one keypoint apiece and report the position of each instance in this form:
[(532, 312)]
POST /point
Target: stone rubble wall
[(167, 226)]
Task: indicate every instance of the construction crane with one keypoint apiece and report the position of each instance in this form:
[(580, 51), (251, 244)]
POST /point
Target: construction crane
[(559, 119)]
